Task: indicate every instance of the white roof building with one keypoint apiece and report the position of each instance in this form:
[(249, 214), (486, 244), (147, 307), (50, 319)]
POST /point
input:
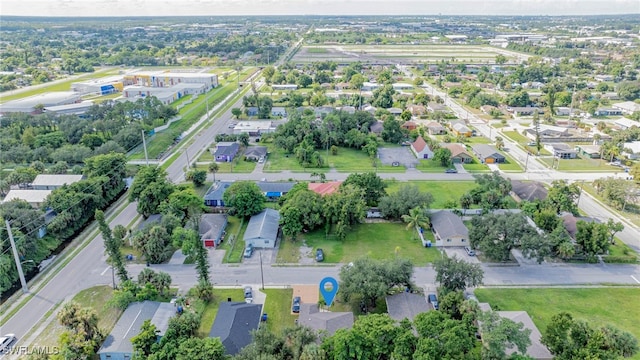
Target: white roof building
[(70, 109), (28, 104), (52, 182), (34, 197), (628, 107), (625, 123)]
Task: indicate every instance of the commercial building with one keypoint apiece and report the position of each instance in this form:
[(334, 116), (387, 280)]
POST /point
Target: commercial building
[(32, 103), (52, 182)]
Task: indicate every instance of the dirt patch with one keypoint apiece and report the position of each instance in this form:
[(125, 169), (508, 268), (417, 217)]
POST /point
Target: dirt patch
[(309, 294), (306, 254)]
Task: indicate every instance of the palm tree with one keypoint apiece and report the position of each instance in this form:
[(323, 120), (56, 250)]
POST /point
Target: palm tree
[(416, 218), (499, 142), (213, 168)]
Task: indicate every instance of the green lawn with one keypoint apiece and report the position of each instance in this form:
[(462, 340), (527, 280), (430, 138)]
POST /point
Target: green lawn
[(277, 160), (237, 166), (581, 164), (510, 164), (211, 310), (599, 306), (517, 137), (477, 140), (431, 166), (95, 298), (475, 166), (352, 160), (442, 191), (376, 241), (278, 309), (233, 242)]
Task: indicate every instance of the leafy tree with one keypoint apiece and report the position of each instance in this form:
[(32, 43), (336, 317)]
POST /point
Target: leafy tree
[(500, 334), (442, 156), (302, 210), (197, 176), (343, 208), (416, 218), (182, 204), (383, 96), (236, 112), (112, 246), (161, 281), (245, 198), (367, 280), (201, 349), (372, 337), (454, 274), (146, 338), (392, 131), (592, 237), (186, 240), (214, 168), (496, 235), (150, 188), (82, 337), (629, 90), (563, 196), (441, 337), (395, 205), (153, 243), (371, 183)]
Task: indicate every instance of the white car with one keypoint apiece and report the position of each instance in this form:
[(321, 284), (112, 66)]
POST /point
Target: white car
[(6, 341)]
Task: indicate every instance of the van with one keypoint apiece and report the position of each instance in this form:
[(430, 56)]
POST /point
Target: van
[(433, 299)]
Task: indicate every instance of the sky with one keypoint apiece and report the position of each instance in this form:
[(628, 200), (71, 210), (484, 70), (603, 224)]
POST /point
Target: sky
[(84, 8)]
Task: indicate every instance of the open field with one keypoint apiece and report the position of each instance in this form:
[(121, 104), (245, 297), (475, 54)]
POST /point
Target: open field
[(442, 191), (376, 241), (598, 306), (211, 310), (277, 306), (580, 164), (352, 160), (392, 54), (95, 298), (431, 166)]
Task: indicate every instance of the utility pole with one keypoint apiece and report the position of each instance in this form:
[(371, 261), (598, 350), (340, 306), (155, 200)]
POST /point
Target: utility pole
[(261, 271), (25, 289), (186, 151), (144, 144)]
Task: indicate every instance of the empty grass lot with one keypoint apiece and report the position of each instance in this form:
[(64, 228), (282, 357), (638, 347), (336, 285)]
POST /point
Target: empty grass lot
[(442, 191), (352, 160), (277, 161), (431, 166), (376, 241), (599, 306), (211, 310), (94, 298), (278, 309), (476, 166), (234, 248), (517, 137), (509, 164), (581, 164)]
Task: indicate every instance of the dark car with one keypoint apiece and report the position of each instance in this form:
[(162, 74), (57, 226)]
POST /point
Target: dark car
[(296, 305), (451, 171), (248, 251), (469, 251), (319, 255), (433, 299)]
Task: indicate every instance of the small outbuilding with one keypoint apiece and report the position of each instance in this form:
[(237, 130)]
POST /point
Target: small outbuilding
[(263, 228)]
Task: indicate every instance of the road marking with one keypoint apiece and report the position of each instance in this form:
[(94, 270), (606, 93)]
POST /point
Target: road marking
[(634, 278), (109, 268)]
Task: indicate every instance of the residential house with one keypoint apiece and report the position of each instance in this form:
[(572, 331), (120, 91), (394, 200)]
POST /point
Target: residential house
[(263, 228), (460, 129), (377, 127), (487, 109), (117, 345), (406, 305), (561, 150), (522, 111), (624, 123), (402, 86), (284, 87), (325, 188), (348, 109), (591, 151), (327, 322), (275, 190), (607, 112), (435, 128), (528, 191), (395, 111), (487, 154), (52, 182), (369, 86), (370, 109), (214, 196), (409, 125), (226, 151), (342, 86), (234, 323), (434, 106), (536, 349), (255, 153), (631, 150), (563, 111), (35, 198), (459, 154), (570, 223), (278, 111), (212, 228), (322, 111), (448, 229), (251, 111), (254, 128), (603, 77), (627, 107), (417, 110), (421, 149)]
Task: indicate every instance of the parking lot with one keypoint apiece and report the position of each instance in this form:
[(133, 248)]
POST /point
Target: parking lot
[(401, 156)]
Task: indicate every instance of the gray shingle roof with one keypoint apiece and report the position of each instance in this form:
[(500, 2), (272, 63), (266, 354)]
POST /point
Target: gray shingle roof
[(328, 321), (128, 326), (234, 323), (227, 149), (448, 225), (263, 226), (406, 305), (485, 151), (212, 225), (256, 151), (529, 191), (216, 190)]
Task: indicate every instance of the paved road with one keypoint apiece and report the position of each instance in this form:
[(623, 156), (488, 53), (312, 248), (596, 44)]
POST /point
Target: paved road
[(81, 273)]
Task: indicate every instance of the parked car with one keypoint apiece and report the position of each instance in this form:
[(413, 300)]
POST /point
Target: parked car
[(319, 255), (6, 341), (296, 305), (248, 294), (469, 251), (433, 299), (248, 251), (451, 171), (470, 296)]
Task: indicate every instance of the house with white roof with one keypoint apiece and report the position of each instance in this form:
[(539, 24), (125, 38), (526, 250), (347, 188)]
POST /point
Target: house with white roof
[(627, 107), (631, 150), (624, 123)]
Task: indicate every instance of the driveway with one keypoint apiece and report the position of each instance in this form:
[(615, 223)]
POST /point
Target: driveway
[(401, 156), (461, 254), (268, 256), (309, 294)]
